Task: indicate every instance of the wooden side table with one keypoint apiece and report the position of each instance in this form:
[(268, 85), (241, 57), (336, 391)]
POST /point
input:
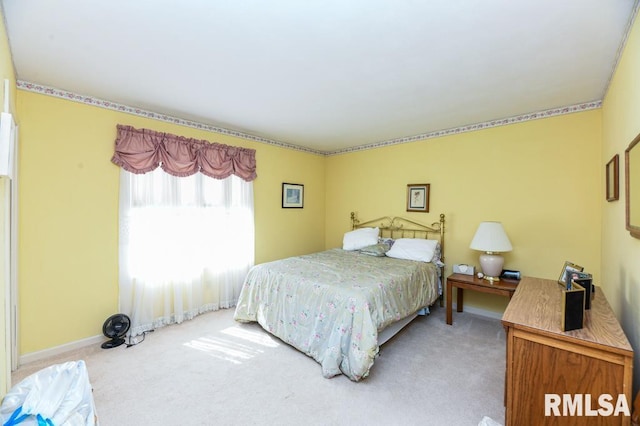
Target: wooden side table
[(470, 282)]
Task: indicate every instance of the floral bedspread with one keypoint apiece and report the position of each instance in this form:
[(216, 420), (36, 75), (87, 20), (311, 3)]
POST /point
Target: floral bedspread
[(331, 305)]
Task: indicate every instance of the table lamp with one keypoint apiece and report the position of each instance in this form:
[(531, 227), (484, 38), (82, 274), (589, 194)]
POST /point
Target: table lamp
[(491, 239)]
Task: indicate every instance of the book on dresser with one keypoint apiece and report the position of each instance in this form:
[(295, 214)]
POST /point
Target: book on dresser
[(545, 363)]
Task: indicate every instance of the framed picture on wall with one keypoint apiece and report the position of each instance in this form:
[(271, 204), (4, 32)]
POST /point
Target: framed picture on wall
[(292, 196), (613, 185), (418, 197)]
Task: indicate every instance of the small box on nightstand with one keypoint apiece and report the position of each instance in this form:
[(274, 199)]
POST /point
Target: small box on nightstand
[(464, 269)]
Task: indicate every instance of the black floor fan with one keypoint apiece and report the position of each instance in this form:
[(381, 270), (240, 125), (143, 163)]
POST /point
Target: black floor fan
[(115, 328)]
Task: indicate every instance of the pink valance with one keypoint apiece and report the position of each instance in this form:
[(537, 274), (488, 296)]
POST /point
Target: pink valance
[(143, 150)]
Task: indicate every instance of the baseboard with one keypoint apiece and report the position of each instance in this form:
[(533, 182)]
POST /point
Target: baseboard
[(478, 311), (51, 352)]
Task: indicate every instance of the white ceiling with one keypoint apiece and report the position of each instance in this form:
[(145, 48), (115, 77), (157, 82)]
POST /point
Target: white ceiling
[(324, 74)]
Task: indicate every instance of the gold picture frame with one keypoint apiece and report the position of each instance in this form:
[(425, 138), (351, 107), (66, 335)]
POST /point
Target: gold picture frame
[(418, 197), (568, 267)]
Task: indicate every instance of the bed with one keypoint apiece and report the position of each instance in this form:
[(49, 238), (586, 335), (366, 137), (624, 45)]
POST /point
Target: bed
[(338, 306)]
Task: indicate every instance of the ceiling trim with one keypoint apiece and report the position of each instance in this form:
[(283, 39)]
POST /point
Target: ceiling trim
[(101, 103), (478, 126), (88, 100)]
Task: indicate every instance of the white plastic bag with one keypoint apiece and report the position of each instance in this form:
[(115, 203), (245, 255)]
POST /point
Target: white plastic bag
[(59, 395), (488, 421)]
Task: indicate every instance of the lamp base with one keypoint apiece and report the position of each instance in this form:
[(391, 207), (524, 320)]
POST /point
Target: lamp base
[(491, 264)]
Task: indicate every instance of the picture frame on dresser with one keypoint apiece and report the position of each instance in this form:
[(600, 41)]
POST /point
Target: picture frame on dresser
[(568, 267)]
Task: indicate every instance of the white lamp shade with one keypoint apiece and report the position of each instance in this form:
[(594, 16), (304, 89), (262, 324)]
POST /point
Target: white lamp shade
[(490, 237)]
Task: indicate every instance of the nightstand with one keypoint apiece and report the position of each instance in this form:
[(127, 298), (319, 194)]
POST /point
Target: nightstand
[(470, 282)]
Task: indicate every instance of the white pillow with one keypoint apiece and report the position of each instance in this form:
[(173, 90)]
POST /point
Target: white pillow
[(413, 249), (355, 240)]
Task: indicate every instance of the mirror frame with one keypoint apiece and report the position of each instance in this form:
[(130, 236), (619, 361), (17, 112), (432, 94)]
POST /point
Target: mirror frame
[(634, 230)]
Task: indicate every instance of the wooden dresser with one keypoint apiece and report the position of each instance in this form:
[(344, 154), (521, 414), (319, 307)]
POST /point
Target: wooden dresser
[(543, 359)]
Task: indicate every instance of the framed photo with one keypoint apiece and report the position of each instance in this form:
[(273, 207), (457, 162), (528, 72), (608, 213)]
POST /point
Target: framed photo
[(613, 185), (568, 267), (292, 196), (418, 197)]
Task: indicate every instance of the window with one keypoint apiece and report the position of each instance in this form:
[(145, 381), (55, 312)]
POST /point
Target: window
[(186, 244)]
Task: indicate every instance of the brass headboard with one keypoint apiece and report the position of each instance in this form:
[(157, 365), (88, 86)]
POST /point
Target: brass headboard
[(399, 227)]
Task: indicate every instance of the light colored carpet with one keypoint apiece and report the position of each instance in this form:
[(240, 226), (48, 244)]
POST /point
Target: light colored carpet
[(212, 370)]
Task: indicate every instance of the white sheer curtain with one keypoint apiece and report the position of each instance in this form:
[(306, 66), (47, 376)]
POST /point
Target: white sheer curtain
[(186, 245)]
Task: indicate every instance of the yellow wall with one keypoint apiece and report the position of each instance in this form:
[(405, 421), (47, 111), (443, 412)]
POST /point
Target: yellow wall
[(6, 72), (541, 179), (68, 253), (621, 252), (69, 202)]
